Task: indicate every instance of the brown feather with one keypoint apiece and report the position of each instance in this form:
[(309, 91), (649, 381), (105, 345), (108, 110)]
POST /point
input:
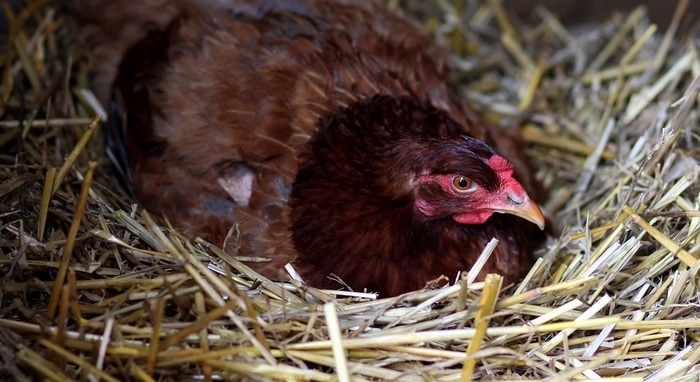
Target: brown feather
[(290, 119)]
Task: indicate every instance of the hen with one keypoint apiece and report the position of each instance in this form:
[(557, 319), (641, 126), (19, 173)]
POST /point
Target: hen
[(324, 131)]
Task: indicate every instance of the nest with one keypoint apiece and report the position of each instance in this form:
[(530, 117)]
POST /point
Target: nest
[(94, 289)]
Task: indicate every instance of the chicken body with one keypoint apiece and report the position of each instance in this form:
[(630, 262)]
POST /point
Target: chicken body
[(324, 131)]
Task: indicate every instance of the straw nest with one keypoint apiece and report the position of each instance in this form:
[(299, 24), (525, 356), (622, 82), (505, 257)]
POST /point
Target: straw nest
[(93, 289)]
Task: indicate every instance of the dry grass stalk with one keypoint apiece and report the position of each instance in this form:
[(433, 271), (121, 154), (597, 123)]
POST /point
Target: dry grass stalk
[(95, 288)]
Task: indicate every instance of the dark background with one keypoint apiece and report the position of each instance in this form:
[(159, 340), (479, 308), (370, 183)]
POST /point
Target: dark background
[(568, 11)]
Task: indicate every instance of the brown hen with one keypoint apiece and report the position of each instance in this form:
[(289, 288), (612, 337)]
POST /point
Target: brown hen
[(325, 130)]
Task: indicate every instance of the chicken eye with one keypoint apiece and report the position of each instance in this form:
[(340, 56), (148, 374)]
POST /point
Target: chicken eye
[(461, 183)]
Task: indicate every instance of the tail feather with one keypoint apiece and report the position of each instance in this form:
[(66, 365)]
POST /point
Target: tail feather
[(112, 27)]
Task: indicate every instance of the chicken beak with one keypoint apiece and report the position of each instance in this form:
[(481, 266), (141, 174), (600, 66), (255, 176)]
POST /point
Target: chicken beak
[(527, 209)]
